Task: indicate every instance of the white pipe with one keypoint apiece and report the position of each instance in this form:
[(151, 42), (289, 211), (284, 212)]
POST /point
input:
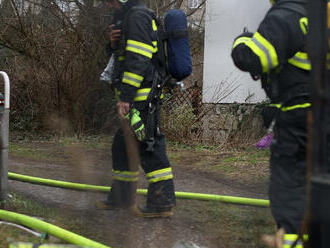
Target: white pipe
[(7, 89), (39, 235)]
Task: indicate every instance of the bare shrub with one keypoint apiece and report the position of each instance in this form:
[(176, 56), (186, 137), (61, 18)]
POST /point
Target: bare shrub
[(54, 62)]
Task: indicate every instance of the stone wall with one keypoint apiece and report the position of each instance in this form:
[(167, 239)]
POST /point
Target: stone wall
[(232, 123)]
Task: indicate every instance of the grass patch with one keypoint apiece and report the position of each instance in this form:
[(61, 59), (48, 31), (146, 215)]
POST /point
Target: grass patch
[(19, 204), (242, 226), (23, 150), (90, 142)]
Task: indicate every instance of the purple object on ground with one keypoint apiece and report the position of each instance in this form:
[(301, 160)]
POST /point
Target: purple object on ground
[(264, 142)]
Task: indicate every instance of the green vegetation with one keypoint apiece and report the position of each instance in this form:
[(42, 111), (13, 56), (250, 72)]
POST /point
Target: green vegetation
[(244, 225), (29, 152), (19, 204)]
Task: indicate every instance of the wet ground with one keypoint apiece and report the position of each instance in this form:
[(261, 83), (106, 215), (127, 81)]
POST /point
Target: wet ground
[(191, 226)]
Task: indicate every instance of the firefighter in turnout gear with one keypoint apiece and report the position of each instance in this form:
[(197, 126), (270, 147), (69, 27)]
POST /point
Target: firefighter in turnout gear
[(276, 54), (135, 44)]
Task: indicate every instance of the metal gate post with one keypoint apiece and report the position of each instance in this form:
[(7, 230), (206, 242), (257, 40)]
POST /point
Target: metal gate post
[(4, 132)]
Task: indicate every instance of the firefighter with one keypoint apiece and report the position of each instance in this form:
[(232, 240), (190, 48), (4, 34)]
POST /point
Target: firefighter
[(276, 54), (134, 42)]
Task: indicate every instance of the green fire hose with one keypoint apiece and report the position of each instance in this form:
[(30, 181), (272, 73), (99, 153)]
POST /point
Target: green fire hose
[(50, 229), (183, 195)]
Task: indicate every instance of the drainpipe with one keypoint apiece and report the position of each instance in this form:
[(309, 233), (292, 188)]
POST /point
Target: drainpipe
[(4, 131)]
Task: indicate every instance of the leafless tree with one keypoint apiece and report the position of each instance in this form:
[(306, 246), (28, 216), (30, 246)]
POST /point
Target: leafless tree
[(54, 51)]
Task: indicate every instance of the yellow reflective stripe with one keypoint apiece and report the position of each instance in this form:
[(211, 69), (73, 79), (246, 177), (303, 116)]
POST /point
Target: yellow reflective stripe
[(155, 44), (288, 244), (275, 105), (290, 239), (121, 58), (159, 175), (132, 79), (304, 105), (295, 236), (139, 48), (304, 24), (142, 94), (264, 50), (301, 61), (241, 40), (127, 176), (154, 25)]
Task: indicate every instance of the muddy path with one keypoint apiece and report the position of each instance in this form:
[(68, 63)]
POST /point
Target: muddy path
[(191, 226)]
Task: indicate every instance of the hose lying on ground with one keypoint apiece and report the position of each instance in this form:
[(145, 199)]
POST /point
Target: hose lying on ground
[(183, 195), (49, 229)]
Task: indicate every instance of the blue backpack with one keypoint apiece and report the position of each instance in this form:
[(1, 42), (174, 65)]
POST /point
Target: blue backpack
[(177, 45)]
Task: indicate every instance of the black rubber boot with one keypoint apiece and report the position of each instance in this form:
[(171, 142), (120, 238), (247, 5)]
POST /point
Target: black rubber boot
[(122, 195), (160, 200)]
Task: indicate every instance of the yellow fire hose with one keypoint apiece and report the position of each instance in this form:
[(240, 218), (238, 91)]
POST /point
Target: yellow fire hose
[(50, 229), (183, 195)]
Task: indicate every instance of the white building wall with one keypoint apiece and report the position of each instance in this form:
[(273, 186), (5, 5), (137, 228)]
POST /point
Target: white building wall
[(225, 20)]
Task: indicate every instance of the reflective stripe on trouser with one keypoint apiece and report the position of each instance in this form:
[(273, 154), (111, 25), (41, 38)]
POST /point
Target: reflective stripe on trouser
[(159, 193), (126, 176), (290, 239), (159, 175)]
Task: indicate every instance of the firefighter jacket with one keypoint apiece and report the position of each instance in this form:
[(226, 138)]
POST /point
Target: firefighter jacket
[(277, 54), (137, 54)]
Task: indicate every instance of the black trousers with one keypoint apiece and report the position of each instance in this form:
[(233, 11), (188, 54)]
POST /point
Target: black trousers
[(287, 189), (160, 193)]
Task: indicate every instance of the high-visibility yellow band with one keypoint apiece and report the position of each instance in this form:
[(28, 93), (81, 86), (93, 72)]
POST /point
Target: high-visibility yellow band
[(142, 94), (126, 176), (301, 61), (275, 105), (304, 24), (140, 48), (241, 40), (132, 79), (159, 175), (270, 55), (121, 58), (154, 25), (304, 105), (290, 239)]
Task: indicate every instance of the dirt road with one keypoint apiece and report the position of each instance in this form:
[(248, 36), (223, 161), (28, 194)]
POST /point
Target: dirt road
[(195, 223)]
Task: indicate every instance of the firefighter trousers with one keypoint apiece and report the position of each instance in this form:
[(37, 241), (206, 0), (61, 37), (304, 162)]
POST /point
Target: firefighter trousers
[(287, 189), (156, 167)]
